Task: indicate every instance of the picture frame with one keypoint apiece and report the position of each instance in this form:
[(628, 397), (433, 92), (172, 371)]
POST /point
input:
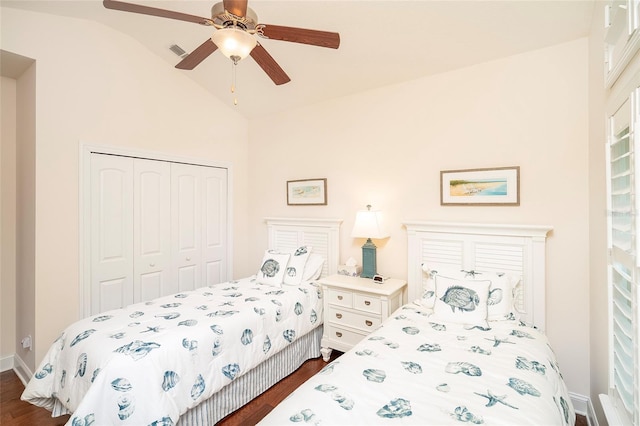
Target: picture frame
[(307, 192), (499, 186)]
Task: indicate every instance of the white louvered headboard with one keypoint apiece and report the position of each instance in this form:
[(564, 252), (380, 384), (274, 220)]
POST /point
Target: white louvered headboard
[(287, 234), (483, 247)]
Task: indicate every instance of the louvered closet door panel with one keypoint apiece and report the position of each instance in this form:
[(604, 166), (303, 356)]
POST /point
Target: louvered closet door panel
[(186, 225), (214, 220), (111, 232), (152, 230)]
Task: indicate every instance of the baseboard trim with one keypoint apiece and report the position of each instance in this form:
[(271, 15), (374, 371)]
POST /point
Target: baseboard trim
[(6, 363), (23, 372), (583, 406)]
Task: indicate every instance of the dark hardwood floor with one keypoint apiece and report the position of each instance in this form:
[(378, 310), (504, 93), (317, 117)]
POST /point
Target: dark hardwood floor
[(14, 412)]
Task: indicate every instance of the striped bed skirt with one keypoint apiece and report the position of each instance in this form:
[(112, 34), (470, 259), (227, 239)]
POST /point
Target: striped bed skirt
[(250, 385)]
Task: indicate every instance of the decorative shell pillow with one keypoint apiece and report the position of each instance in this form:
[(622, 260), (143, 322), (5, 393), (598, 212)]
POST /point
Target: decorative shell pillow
[(461, 301), (295, 267), (501, 298), (501, 294), (273, 269)]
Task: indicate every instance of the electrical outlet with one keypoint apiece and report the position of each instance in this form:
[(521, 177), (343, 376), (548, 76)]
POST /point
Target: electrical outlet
[(26, 342)]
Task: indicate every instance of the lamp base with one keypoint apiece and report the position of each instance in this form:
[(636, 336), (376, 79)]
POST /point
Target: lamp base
[(368, 259)]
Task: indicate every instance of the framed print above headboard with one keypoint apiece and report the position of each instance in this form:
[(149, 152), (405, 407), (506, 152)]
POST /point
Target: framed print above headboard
[(307, 192), (498, 186)]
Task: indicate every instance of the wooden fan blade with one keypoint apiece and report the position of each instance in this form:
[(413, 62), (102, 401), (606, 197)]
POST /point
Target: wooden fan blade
[(163, 13), (301, 35), (198, 55), (237, 7), (269, 65)]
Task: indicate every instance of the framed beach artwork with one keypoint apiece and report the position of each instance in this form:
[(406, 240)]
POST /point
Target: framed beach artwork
[(488, 187), (307, 192)]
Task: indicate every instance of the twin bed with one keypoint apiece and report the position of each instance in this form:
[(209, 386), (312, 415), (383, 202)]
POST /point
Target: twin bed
[(455, 353), (461, 351), (193, 357)]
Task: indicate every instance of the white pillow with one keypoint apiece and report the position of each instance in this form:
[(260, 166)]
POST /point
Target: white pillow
[(501, 294), (273, 268), (501, 291), (295, 267), (461, 301), (428, 298), (313, 268)]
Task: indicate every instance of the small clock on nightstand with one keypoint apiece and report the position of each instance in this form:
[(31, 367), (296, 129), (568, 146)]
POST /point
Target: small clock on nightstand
[(354, 307)]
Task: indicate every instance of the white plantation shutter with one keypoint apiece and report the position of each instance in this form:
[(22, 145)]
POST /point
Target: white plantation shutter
[(624, 263)]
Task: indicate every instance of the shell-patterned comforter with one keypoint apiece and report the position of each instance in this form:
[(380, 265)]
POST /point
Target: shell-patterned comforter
[(414, 371), (148, 363)]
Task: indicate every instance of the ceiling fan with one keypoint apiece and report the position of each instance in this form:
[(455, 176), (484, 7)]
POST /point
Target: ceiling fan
[(236, 26)]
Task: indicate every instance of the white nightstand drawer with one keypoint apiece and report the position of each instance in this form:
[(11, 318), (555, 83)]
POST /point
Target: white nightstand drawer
[(367, 303), (354, 307), (340, 298), (343, 336), (351, 319)]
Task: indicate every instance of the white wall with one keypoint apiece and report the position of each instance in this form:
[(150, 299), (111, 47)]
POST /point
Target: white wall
[(598, 289), (25, 205), (387, 147), (99, 86), (7, 221)]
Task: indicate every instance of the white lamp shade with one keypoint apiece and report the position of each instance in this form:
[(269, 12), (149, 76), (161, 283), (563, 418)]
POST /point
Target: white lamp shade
[(369, 224), (234, 42)]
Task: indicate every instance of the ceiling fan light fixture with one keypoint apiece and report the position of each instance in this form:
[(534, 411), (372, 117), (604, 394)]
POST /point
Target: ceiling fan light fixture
[(234, 42)]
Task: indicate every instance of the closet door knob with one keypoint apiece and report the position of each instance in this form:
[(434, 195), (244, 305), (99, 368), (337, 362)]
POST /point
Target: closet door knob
[(152, 264), (188, 259)]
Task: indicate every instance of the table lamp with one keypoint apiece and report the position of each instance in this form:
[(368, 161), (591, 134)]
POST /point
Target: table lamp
[(369, 224)]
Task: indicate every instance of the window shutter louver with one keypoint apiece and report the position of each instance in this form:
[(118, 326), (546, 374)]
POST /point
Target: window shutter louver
[(623, 261)]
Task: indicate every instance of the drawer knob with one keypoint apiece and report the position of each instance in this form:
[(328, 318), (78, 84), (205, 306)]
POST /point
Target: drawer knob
[(369, 323), (339, 316), (366, 302), (338, 334), (339, 297)]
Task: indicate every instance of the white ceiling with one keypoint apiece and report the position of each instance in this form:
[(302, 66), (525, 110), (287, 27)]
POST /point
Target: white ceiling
[(382, 42)]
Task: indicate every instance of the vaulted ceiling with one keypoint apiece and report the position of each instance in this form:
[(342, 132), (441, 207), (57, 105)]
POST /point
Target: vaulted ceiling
[(382, 42)]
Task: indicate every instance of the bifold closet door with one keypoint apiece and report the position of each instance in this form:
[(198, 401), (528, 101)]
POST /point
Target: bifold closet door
[(111, 232), (214, 220), (152, 230), (186, 226), (157, 228), (198, 225)]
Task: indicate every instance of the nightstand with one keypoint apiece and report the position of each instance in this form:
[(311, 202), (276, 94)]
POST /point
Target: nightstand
[(354, 307)]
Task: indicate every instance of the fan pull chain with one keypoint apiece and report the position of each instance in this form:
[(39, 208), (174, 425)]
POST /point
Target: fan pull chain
[(234, 64)]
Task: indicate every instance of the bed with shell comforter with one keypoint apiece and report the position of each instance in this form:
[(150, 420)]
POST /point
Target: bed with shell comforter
[(150, 362), (414, 370), (462, 350), (194, 356)]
